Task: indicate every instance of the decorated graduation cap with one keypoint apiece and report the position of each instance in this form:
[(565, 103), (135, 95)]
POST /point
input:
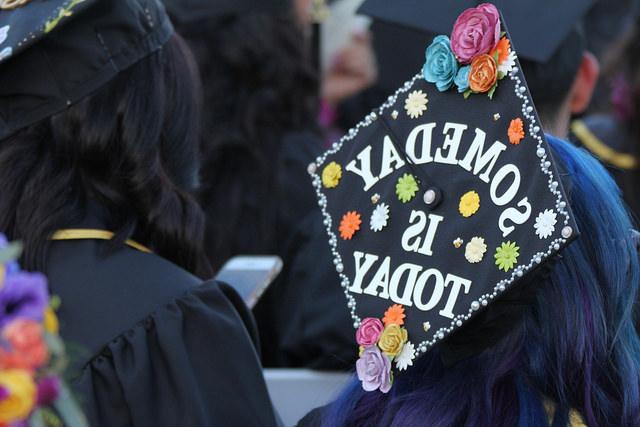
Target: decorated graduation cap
[(441, 200), (185, 11), (537, 27), (54, 53)]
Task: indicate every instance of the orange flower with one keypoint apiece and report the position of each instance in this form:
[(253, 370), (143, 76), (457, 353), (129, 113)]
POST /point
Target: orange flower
[(25, 347), (516, 131), (394, 315), (349, 225), (503, 47), (483, 74)]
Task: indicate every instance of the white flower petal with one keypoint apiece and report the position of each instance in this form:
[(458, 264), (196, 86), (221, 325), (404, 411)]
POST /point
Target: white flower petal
[(508, 64), (5, 53), (416, 104), (379, 217), (475, 250), (4, 32), (545, 224), (406, 356)]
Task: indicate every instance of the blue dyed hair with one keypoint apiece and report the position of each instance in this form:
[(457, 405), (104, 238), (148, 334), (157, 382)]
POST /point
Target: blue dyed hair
[(576, 345)]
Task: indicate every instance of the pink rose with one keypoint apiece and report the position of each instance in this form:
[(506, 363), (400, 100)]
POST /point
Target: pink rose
[(369, 331), (476, 31), (374, 370)]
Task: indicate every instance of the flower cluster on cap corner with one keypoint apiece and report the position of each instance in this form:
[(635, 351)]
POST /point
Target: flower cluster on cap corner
[(381, 343), (474, 58), (32, 356)]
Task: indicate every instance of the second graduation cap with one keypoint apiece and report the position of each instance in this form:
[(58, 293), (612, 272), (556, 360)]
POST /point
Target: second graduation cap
[(441, 200)]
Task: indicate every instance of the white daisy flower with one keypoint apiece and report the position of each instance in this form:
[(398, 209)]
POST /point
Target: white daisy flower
[(507, 65), (380, 217), (416, 104), (475, 250), (545, 223), (406, 356)]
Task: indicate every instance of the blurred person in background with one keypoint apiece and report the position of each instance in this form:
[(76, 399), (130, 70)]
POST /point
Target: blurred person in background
[(260, 133), (609, 130), (98, 153)]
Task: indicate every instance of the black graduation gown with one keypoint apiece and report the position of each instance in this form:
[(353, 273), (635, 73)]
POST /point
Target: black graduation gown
[(613, 142), (151, 345), (303, 317)]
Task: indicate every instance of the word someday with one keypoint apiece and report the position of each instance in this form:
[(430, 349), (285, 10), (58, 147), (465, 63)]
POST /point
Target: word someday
[(408, 284), (504, 183)]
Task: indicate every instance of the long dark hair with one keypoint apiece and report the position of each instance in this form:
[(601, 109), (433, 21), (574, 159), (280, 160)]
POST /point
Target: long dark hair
[(259, 83), (130, 148)]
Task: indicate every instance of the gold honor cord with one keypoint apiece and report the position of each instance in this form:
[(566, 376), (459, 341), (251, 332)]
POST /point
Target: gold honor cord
[(94, 234), (602, 150)]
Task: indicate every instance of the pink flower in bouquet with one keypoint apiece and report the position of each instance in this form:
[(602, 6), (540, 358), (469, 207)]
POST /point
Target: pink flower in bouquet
[(23, 346), (369, 331), (48, 390), (475, 32)]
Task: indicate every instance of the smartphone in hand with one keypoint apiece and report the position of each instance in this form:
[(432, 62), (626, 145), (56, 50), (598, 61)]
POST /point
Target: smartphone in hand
[(250, 276)]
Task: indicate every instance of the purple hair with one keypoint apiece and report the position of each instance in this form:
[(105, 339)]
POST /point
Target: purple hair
[(576, 345)]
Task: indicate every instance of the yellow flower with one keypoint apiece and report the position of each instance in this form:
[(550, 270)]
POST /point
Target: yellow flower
[(21, 395), (51, 324), (469, 204), (331, 175), (392, 340)]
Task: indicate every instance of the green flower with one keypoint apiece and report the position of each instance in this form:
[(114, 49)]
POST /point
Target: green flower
[(507, 256), (406, 188)]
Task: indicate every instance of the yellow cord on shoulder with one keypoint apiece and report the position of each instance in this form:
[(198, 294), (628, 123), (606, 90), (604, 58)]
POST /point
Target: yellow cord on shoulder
[(600, 149), (94, 234)]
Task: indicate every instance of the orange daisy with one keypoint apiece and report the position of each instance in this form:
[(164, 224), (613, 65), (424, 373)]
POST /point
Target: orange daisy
[(503, 48), (349, 225), (516, 131), (394, 315)]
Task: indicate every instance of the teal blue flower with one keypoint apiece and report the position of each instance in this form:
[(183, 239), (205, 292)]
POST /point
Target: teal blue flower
[(462, 78), (441, 66)]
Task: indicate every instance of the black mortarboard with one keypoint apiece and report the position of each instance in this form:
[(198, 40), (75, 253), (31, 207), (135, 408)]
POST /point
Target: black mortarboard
[(443, 199), (54, 53), (184, 11), (537, 26)]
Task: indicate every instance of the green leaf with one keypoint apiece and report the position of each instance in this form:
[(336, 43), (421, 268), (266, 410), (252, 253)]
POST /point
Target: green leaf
[(467, 93), (492, 91), (51, 419), (496, 56), (55, 302), (11, 253), (501, 75), (69, 410), (502, 34)]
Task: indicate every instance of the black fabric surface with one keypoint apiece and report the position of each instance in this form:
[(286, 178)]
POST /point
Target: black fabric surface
[(92, 42), (153, 346), (301, 317)]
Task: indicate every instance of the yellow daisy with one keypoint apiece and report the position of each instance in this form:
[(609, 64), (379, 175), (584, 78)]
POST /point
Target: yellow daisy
[(469, 204), (331, 175)]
